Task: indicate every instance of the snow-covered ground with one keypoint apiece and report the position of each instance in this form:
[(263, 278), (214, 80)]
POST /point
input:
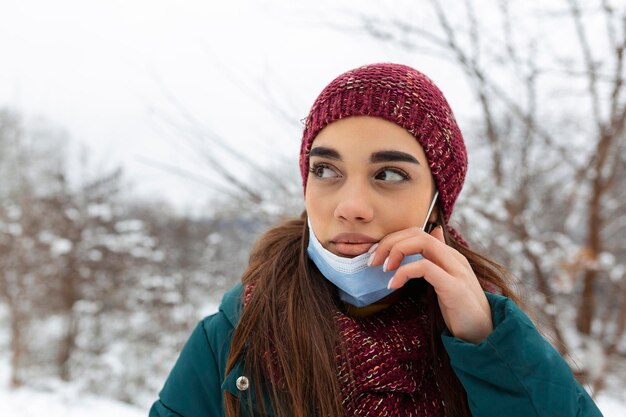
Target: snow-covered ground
[(611, 407), (65, 400), (27, 402)]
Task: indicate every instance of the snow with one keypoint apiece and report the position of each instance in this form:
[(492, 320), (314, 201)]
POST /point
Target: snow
[(612, 407), (66, 399), (27, 402), (60, 247), (59, 399)]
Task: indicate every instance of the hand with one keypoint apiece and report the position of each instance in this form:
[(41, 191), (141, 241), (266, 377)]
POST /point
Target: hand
[(462, 301)]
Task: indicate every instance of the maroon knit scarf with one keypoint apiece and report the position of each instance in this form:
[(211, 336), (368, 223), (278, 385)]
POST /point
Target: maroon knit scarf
[(389, 353)]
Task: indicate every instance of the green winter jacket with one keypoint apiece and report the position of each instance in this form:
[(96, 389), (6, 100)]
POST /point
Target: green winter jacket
[(513, 372)]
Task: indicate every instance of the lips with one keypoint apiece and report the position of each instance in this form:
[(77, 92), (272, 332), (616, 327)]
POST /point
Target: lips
[(352, 244)]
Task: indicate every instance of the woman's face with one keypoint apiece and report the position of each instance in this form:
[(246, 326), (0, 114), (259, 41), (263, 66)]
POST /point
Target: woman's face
[(368, 177)]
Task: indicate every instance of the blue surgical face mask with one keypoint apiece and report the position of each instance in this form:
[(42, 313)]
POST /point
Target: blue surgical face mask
[(358, 284)]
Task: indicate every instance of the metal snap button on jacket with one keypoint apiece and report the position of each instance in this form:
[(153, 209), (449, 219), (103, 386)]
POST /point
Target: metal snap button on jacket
[(242, 383)]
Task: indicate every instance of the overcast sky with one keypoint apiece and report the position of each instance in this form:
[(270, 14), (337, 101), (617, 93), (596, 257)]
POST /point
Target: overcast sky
[(107, 71)]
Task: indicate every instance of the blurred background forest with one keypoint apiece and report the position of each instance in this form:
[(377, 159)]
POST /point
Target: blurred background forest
[(101, 285)]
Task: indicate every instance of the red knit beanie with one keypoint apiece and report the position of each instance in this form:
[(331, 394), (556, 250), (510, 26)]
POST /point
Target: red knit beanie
[(408, 98)]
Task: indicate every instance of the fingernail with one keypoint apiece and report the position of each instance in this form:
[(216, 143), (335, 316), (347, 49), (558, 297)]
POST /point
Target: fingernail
[(385, 264), (389, 283), (373, 248), (370, 259)]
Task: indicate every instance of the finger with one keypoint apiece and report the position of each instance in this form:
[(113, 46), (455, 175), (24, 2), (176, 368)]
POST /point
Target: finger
[(381, 251), (425, 269), (438, 234), (430, 248)]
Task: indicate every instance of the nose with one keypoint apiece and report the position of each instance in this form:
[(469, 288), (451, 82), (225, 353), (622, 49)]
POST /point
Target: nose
[(354, 205)]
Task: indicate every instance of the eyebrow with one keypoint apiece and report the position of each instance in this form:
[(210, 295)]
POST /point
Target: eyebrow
[(393, 156), (376, 157), (325, 153)]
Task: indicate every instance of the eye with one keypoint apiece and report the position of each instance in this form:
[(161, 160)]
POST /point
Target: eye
[(391, 175), (323, 171)]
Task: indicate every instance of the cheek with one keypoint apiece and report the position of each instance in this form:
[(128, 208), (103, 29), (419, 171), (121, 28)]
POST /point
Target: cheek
[(400, 213), (313, 201), (397, 218), (318, 208)]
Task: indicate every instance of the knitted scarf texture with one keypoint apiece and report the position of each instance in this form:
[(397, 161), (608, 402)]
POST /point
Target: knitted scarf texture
[(389, 353)]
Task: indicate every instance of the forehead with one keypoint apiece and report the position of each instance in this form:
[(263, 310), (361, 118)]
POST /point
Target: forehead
[(365, 134)]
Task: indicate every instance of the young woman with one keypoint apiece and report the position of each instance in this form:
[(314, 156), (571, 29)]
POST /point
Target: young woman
[(370, 303)]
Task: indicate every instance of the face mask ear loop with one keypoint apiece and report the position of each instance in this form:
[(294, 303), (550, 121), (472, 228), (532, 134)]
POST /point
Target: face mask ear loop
[(432, 204)]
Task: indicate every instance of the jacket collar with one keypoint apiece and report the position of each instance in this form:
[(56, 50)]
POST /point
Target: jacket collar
[(231, 306)]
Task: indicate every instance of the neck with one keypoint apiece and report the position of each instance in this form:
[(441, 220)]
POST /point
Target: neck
[(380, 305)]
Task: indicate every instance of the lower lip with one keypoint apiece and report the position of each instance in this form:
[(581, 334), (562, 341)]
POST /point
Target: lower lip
[(351, 249)]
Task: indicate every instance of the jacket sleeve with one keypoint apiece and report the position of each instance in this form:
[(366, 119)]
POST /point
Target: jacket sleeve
[(515, 371), (193, 387)]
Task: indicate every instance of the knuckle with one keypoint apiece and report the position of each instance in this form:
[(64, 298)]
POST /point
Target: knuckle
[(416, 231), (393, 253), (398, 252), (400, 273), (405, 271)]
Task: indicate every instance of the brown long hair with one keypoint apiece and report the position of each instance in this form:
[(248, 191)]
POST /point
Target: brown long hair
[(289, 314)]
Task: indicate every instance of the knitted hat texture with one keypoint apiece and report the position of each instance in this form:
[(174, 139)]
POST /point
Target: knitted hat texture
[(405, 96)]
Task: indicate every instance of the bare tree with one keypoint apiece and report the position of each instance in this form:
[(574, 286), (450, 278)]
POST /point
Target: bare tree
[(22, 255), (550, 139)]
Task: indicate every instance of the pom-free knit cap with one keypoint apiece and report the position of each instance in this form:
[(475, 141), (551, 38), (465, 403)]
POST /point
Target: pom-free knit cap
[(405, 96)]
